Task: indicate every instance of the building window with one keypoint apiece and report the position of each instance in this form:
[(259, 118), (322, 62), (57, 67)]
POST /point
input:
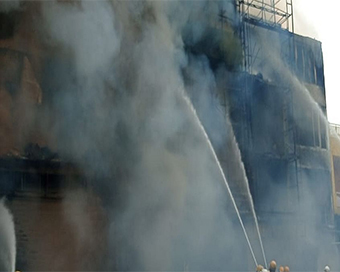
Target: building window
[(311, 129), (309, 69), (7, 25)]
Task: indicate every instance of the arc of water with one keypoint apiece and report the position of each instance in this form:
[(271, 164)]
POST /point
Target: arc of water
[(188, 102), (249, 193), (259, 235)]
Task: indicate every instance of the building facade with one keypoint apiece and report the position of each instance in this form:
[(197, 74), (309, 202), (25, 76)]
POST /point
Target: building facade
[(273, 96)]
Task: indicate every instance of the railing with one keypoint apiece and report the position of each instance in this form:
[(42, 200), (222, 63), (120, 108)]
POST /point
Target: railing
[(273, 13), (336, 128)]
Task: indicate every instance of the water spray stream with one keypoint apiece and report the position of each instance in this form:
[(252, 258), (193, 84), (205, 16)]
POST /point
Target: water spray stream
[(7, 239), (238, 155), (258, 229), (191, 107)]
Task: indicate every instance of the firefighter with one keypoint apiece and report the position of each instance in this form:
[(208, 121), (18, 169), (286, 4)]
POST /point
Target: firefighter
[(259, 268), (281, 269), (286, 269), (272, 266)]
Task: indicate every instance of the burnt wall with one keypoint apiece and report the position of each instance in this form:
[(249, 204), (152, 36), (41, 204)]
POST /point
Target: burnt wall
[(59, 221), (47, 240)]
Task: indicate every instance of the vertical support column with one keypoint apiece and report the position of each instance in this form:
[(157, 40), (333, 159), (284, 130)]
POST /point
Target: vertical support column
[(274, 10)]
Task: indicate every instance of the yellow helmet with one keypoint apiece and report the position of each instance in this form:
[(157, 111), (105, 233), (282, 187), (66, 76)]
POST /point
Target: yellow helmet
[(272, 265), (259, 268)]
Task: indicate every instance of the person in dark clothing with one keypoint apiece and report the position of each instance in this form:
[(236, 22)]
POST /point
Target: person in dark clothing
[(272, 266)]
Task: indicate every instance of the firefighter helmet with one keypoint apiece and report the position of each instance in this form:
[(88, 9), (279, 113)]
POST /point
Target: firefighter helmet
[(259, 268), (272, 265)]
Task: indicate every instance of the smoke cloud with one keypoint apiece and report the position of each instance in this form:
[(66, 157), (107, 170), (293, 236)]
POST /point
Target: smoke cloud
[(121, 116), (113, 104)]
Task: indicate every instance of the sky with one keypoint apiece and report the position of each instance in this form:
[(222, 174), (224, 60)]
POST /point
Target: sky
[(319, 19)]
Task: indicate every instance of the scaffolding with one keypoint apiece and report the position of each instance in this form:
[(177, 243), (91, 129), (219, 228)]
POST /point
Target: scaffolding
[(274, 15), (268, 13), (335, 127)]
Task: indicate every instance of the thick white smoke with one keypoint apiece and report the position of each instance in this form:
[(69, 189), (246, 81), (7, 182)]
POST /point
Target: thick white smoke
[(122, 118), (118, 114)]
